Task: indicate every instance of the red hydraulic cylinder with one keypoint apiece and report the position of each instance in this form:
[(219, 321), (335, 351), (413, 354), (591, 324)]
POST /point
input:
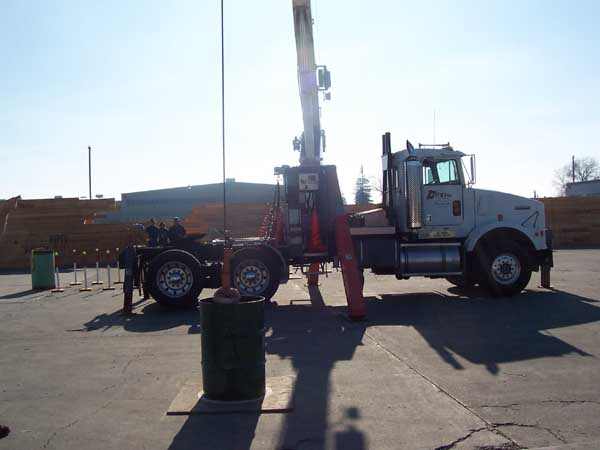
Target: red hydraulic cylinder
[(349, 265)]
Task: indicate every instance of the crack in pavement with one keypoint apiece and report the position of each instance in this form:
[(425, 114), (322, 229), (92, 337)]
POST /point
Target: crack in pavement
[(74, 422), (526, 425), (507, 446), (460, 439), (538, 402), (489, 425)]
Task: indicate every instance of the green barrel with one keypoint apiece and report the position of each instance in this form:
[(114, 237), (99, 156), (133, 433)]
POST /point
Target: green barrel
[(42, 269), (233, 349)]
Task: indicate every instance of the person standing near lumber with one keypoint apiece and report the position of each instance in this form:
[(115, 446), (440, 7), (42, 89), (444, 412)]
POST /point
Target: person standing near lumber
[(152, 232), (176, 232), (163, 235)]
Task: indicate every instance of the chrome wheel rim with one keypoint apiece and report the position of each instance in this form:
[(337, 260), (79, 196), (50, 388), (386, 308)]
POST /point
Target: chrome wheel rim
[(175, 279), (506, 269), (251, 277)]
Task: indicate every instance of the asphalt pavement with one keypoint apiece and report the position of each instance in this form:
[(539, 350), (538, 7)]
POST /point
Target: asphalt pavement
[(434, 367)]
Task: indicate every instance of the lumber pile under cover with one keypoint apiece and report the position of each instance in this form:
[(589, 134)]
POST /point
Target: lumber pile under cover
[(243, 219), (574, 221), (68, 224), (62, 225)]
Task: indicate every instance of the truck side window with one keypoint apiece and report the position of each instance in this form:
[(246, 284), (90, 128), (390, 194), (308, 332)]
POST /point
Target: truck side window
[(440, 172)]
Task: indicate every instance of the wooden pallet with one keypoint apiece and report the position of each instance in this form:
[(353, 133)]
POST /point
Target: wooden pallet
[(62, 225), (574, 221)]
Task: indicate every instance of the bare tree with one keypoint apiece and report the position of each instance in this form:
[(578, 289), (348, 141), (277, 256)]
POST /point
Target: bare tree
[(377, 186), (585, 169)]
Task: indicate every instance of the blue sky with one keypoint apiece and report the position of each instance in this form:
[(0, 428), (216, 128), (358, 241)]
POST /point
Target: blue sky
[(514, 82)]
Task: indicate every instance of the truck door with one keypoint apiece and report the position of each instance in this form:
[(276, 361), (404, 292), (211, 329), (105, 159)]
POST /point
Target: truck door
[(442, 193)]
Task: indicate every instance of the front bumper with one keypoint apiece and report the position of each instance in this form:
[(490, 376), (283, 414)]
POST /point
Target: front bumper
[(544, 257)]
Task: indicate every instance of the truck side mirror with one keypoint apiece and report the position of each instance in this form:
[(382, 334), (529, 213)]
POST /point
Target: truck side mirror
[(472, 169)]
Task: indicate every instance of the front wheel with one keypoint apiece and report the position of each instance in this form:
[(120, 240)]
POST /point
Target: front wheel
[(505, 267)]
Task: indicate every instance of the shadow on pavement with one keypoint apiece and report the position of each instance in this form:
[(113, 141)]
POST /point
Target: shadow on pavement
[(481, 330), (314, 340), (152, 317), (22, 294), (231, 432), (487, 331)]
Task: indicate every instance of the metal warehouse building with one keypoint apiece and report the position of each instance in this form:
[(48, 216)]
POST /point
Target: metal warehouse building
[(167, 203), (591, 187)]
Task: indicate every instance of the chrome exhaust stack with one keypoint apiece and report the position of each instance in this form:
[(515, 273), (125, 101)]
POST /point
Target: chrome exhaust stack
[(412, 192)]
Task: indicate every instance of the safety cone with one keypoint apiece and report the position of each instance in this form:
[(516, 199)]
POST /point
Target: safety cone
[(75, 282), (109, 287), (57, 270), (315, 244), (97, 268), (85, 287), (119, 281)]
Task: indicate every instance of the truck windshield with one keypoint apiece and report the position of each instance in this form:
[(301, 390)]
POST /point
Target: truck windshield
[(440, 172)]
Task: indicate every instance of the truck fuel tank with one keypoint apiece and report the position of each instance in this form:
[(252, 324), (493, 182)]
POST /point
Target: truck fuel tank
[(429, 259), (391, 256)]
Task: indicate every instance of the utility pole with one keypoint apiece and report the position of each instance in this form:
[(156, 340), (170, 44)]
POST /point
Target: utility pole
[(223, 121), (90, 170), (573, 167)]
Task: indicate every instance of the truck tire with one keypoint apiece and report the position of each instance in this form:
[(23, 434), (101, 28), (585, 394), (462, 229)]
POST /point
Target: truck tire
[(175, 279), (504, 266), (255, 272)]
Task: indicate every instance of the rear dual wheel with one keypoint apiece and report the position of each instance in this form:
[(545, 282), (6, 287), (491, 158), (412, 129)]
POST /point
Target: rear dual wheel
[(255, 271), (175, 278)]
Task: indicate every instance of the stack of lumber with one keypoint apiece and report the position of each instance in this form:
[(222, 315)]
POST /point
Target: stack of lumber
[(6, 206), (243, 219), (574, 221), (62, 225)]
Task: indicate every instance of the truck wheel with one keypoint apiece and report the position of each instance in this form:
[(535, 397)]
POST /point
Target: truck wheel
[(255, 272), (175, 278), (506, 271)]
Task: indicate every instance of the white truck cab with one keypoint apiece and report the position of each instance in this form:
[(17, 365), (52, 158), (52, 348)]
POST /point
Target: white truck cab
[(440, 226)]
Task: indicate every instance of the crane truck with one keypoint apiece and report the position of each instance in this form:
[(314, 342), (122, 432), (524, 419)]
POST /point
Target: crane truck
[(431, 223)]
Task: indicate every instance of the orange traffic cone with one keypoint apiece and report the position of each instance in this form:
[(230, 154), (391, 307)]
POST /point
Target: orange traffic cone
[(315, 245)]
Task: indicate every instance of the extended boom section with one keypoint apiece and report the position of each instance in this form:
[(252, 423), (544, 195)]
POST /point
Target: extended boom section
[(311, 142)]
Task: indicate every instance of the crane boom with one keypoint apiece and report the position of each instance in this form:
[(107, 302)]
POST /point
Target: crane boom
[(311, 143)]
